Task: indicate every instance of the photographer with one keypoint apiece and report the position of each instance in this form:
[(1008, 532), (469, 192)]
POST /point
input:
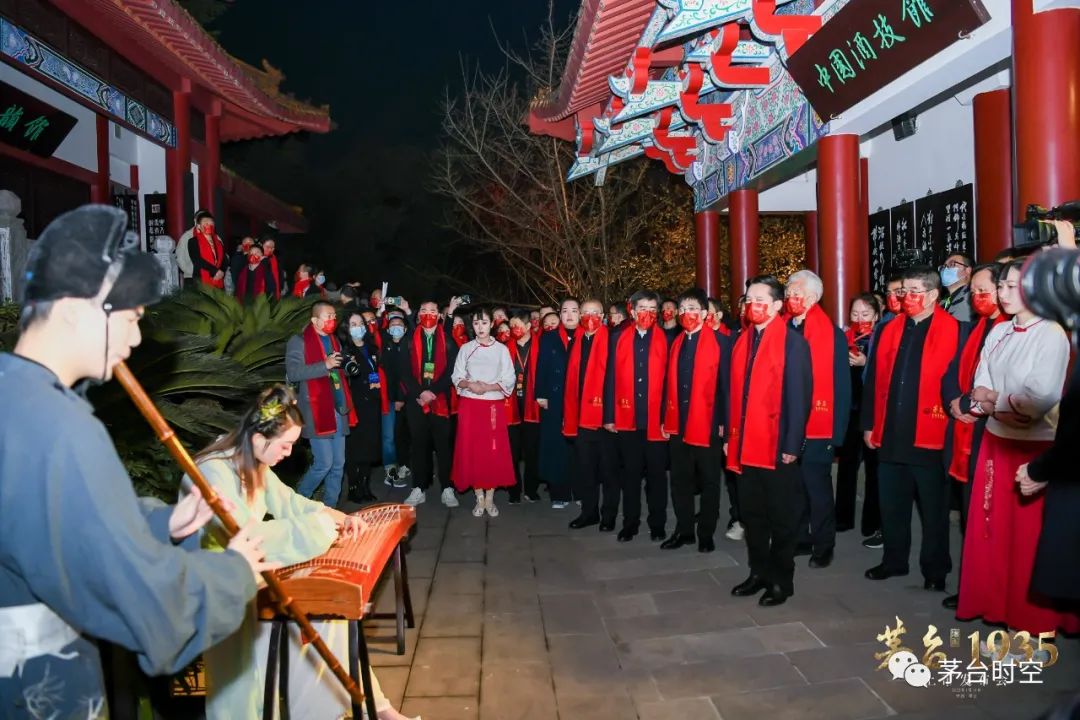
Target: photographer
[(368, 386)]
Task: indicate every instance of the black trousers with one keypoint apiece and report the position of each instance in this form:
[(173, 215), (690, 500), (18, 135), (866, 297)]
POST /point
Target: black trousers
[(642, 458), (402, 439), (902, 485), (525, 448), (731, 482), (694, 468), (771, 505), (429, 433), (595, 465), (851, 455), (817, 524)]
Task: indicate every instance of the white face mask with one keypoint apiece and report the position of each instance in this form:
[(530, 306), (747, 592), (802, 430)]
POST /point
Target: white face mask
[(357, 332), (396, 331), (320, 279)]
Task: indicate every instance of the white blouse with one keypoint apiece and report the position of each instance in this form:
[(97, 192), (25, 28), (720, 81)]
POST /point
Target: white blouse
[(1028, 364), (486, 363)]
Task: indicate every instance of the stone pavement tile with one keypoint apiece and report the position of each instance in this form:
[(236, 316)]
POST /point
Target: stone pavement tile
[(659, 564), (445, 666), (727, 676), (694, 580), (511, 598), (430, 515), (393, 680), (454, 616), (713, 597), (570, 613), (462, 523), (800, 607), (514, 636), (382, 647), (560, 576), (840, 700), (640, 685), (677, 623), (700, 708), (442, 708), (458, 577), (849, 630), (969, 711), (420, 563), (426, 538), (585, 665), (625, 606), (516, 691), (836, 662), (599, 707), (385, 602), (468, 548), (700, 647), (1014, 702)]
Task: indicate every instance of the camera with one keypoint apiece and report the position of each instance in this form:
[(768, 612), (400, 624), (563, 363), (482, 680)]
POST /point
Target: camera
[(395, 301), (1037, 231), (1050, 286), (465, 299), (351, 366)]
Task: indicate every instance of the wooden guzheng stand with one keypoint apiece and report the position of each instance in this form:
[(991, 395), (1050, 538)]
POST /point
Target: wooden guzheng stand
[(287, 604)]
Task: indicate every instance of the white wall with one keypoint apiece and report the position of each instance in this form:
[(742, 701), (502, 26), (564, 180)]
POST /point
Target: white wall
[(80, 146), (799, 194)]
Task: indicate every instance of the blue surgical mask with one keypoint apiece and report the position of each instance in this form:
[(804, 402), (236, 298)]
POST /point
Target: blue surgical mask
[(320, 279), (949, 276), (357, 332), (396, 331)]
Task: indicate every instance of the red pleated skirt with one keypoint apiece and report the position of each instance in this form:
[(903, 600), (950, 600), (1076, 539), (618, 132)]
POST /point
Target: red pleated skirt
[(1002, 534), (482, 447)]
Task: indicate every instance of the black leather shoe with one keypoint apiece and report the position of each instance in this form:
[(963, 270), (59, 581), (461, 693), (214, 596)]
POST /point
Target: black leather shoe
[(750, 586), (804, 549), (773, 596), (880, 572), (822, 560), (656, 535), (607, 527), (677, 541), (951, 602), (936, 585), (581, 521), (626, 535), (706, 545)]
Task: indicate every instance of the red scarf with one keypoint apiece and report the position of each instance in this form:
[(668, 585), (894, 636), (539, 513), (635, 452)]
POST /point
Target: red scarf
[(964, 433), (586, 411), (259, 284), (762, 422), (211, 250), (938, 351), (564, 336), (532, 410), (699, 430), (439, 405), (820, 335), (625, 408), (277, 276), (320, 390), (300, 288)]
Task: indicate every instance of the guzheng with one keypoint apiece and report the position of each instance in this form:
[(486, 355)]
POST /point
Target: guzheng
[(341, 582)]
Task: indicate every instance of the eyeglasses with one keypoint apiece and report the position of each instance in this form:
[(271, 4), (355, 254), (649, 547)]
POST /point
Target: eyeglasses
[(954, 264), (912, 292)]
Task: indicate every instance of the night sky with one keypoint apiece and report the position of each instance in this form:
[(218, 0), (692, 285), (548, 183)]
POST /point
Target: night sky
[(383, 68)]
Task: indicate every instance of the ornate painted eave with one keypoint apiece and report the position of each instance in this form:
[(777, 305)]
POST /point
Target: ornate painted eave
[(165, 33)]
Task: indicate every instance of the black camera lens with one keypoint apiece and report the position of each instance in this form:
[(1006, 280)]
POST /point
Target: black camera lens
[(1050, 285)]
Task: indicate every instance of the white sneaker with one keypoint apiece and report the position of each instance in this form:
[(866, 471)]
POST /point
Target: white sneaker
[(559, 505), (404, 472), (416, 497), (735, 532), (449, 498)]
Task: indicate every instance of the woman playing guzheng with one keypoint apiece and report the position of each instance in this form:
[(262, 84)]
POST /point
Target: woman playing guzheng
[(238, 465)]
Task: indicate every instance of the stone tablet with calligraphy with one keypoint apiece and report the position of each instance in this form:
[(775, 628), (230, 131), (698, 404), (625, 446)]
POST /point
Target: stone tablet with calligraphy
[(880, 240), (944, 223), (870, 43)]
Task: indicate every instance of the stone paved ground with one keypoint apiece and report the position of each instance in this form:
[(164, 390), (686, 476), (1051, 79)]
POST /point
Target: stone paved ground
[(521, 618)]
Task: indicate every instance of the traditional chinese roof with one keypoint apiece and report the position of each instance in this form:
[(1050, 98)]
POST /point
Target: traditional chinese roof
[(163, 39)]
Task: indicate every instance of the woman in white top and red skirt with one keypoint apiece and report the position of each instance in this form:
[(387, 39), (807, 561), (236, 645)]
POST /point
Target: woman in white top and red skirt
[(1018, 384), (484, 377)]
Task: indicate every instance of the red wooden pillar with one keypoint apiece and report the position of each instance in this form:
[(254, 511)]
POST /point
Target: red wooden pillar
[(864, 225), (1046, 102), (210, 173), (810, 230), (178, 165), (99, 191), (993, 173), (743, 235), (838, 212), (707, 236)]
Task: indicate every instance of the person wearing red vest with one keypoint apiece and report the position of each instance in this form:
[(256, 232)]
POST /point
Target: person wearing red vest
[(592, 447), (770, 400), (694, 419), (277, 273), (967, 430), (633, 410), (522, 412), (207, 252), (904, 418), (829, 414), (254, 278), (425, 369), (313, 361)]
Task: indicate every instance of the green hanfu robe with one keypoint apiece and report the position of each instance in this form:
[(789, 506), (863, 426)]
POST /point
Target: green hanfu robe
[(81, 553)]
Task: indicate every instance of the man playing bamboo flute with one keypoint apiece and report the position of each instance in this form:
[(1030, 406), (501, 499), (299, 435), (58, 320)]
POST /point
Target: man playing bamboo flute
[(81, 558)]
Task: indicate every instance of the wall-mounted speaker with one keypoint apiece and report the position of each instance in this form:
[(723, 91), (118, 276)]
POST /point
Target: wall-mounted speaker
[(904, 126)]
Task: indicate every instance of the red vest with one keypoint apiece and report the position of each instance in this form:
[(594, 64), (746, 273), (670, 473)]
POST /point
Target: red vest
[(625, 395), (820, 335), (586, 411), (320, 390), (532, 410), (212, 252), (964, 433), (699, 428), (754, 440)]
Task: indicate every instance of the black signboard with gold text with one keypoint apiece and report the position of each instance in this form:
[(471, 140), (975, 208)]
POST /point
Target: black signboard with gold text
[(870, 43), (30, 124)]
